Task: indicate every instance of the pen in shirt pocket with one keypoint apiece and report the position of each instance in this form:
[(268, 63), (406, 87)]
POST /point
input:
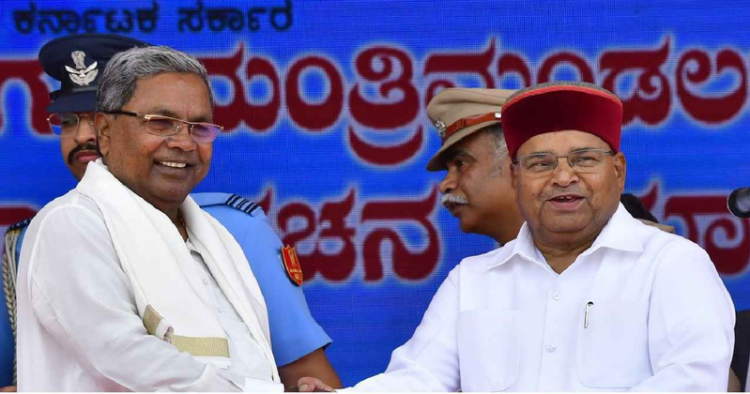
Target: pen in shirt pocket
[(586, 314)]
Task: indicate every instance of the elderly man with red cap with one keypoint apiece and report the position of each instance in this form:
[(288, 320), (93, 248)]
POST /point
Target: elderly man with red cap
[(586, 297)]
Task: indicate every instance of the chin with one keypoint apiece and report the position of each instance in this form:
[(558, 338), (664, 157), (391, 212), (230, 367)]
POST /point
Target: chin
[(467, 228), (563, 228)]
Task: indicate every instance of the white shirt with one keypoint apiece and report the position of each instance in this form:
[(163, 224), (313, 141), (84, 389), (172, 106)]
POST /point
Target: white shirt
[(78, 324), (661, 320), (245, 354)]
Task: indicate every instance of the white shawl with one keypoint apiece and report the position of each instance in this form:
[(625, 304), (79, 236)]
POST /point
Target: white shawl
[(170, 298)]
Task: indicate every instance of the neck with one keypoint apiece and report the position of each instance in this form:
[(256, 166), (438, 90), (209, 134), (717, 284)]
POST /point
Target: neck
[(507, 230), (561, 255), (176, 217)]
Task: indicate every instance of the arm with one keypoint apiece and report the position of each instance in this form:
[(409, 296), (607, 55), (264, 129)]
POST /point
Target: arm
[(691, 320), (82, 298), (297, 340), (314, 364)]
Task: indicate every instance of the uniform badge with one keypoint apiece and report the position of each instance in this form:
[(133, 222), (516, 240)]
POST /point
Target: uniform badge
[(82, 75), (291, 263), (440, 125)]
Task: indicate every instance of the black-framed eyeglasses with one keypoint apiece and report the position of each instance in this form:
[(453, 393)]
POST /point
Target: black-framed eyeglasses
[(67, 123), (581, 161), (166, 126)]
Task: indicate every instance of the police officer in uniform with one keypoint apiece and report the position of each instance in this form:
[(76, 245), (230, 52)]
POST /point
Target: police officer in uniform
[(298, 342)]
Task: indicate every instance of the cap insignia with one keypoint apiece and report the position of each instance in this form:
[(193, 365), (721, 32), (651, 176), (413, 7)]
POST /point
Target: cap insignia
[(82, 75), (441, 128)]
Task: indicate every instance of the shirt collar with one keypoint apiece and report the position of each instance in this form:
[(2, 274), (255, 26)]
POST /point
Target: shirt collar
[(617, 234)]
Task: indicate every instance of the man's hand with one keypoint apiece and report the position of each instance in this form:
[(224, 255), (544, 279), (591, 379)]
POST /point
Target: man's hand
[(314, 364), (7, 389), (308, 384)]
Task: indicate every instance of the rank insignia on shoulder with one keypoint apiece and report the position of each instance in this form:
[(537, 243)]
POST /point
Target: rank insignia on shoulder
[(292, 265), (20, 224), (240, 203)]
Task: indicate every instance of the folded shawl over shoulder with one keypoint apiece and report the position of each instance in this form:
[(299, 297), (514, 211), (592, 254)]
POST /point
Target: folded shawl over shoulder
[(169, 295)]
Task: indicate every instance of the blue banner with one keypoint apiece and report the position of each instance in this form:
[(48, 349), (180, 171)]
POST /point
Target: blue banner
[(324, 108)]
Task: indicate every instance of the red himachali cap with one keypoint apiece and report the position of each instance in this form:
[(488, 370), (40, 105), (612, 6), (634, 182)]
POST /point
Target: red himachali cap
[(560, 106)]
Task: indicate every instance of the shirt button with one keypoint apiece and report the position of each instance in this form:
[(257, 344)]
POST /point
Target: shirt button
[(550, 348), (205, 281), (556, 295)]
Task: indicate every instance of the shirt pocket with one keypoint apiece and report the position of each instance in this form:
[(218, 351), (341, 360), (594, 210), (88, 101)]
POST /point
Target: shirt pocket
[(487, 350), (613, 350)]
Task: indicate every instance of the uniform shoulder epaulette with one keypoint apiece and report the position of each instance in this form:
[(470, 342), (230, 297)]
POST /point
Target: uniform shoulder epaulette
[(20, 224), (241, 203)]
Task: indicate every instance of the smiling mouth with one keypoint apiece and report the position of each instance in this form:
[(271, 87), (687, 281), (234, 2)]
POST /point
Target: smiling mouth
[(567, 202), (172, 164), (568, 198)]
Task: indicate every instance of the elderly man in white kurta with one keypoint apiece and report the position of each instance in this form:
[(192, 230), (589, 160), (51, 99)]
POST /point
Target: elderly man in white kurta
[(125, 283), (586, 297)]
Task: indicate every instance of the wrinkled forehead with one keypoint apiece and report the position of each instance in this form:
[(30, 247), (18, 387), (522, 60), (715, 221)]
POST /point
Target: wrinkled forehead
[(155, 95), (562, 142)]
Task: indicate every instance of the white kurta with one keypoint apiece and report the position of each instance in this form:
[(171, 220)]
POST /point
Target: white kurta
[(661, 320), (78, 324)]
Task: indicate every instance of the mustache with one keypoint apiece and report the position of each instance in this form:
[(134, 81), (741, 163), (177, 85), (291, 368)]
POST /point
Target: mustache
[(83, 147), (453, 198)]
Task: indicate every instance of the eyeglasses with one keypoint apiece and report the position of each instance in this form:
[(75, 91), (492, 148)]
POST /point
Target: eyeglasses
[(581, 161), (166, 126), (66, 124)]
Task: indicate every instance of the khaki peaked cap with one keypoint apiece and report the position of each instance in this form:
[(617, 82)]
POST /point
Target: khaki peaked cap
[(460, 112)]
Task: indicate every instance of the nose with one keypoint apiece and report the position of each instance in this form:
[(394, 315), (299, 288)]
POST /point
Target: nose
[(85, 132), (564, 175), (448, 184), (182, 140)]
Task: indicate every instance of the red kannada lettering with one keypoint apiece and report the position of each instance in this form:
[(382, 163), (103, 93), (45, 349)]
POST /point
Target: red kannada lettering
[(649, 101), (397, 103), (459, 63), (28, 71), (510, 64), (695, 67), (332, 226), (333, 256), (564, 58), (314, 117), (258, 117), (728, 260), (385, 116), (406, 264)]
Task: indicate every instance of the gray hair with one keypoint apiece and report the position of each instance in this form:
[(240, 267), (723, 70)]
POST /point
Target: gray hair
[(501, 148), (118, 82)]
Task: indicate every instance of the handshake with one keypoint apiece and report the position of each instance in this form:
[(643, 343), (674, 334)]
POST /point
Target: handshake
[(308, 384)]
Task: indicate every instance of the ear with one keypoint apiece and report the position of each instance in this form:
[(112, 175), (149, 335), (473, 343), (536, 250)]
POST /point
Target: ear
[(620, 167), (103, 129)]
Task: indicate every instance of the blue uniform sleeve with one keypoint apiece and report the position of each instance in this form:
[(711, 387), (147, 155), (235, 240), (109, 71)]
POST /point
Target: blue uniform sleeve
[(294, 332)]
